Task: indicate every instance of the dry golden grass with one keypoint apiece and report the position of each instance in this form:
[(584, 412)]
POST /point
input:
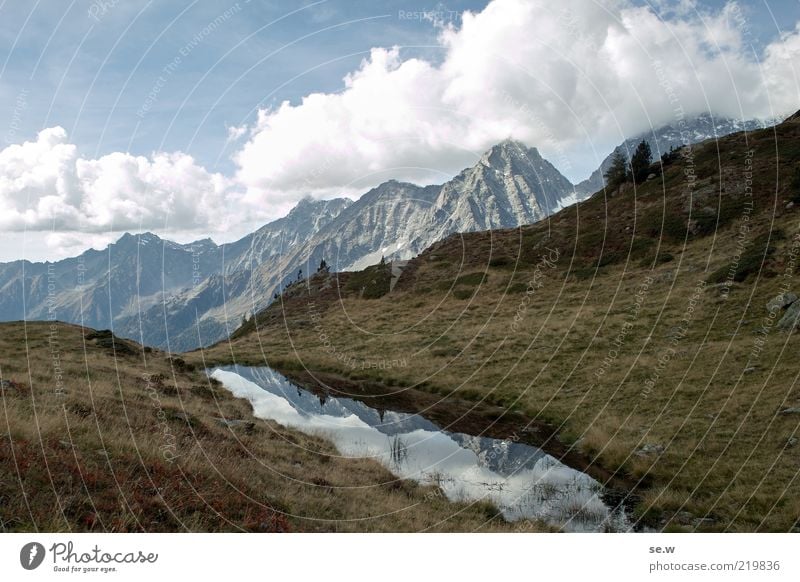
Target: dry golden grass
[(599, 348), (131, 443)]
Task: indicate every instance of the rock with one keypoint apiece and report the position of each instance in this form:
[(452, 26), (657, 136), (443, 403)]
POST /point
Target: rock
[(183, 417), (105, 339), (650, 449), (790, 205), (675, 332), (664, 277), (781, 301), (247, 425), (790, 319), (11, 385), (791, 442), (651, 177), (99, 334), (791, 410), (750, 369), (180, 364), (684, 517)]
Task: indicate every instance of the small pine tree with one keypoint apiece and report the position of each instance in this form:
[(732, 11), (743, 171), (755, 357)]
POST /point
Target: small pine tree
[(671, 156), (618, 172), (300, 275), (383, 261), (323, 266), (640, 162)]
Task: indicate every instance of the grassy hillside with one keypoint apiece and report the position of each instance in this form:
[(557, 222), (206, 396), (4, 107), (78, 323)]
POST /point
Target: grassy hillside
[(634, 322), (98, 434)]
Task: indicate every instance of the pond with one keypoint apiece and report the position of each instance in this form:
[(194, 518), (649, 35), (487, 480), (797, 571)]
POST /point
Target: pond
[(523, 481)]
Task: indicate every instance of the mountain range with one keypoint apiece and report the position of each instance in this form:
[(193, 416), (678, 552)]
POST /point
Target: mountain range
[(696, 130), (182, 296)]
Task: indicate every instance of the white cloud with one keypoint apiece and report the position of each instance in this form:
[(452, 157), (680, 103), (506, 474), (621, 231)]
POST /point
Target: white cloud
[(572, 78), (61, 245), (235, 132), (46, 185), (562, 77)]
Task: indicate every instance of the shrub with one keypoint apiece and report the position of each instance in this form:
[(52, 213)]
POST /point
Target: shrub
[(664, 223), (583, 273), (500, 262), (611, 258), (517, 288), (472, 279), (371, 283), (795, 186), (751, 262), (463, 293), (707, 223), (654, 260), (670, 157)]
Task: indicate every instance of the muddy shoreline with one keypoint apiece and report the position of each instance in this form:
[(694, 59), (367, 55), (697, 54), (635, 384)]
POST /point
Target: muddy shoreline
[(474, 418)]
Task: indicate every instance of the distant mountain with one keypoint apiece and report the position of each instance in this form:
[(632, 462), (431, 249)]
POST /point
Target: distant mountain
[(180, 297), (99, 286), (510, 185), (142, 273), (694, 130), (273, 239)]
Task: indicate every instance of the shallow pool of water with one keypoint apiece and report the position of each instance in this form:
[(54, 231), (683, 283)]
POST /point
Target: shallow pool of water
[(523, 481)]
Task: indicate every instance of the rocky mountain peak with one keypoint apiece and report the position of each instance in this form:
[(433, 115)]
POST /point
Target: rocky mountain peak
[(129, 240), (311, 207), (505, 153)]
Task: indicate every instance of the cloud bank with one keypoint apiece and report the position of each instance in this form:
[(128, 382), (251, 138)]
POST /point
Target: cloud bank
[(572, 78), (46, 185), (562, 77)]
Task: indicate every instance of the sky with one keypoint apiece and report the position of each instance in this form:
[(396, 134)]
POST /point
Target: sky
[(210, 118)]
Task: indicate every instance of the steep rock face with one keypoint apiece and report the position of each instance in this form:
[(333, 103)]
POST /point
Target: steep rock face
[(99, 286), (695, 130), (145, 274), (276, 238), (510, 185)]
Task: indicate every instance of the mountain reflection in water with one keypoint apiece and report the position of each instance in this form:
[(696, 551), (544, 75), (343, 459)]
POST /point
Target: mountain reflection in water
[(523, 481)]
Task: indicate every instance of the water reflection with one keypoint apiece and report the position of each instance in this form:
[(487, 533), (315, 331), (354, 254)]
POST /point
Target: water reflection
[(523, 481)]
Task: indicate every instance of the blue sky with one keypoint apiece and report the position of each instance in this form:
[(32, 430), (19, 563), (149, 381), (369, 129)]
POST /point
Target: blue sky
[(89, 66), (91, 72), (162, 83)]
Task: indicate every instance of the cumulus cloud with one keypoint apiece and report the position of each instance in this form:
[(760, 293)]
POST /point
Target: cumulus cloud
[(235, 132), (572, 78), (61, 245), (46, 185)]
